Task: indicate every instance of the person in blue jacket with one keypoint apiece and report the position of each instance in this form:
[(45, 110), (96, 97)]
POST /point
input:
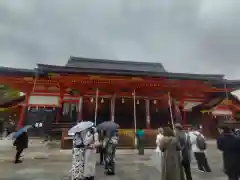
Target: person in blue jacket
[(140, 141)]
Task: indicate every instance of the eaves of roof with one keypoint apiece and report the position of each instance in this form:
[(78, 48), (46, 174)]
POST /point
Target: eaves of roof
[(178, 76), (6, 71)]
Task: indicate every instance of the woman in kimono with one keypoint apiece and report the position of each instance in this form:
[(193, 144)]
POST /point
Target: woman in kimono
[(158, 139), (84, 147), (110, 144), (171, 159)]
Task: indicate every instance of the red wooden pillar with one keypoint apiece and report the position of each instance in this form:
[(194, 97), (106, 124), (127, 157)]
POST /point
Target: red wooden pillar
[(112, 108), (147, 113), (60, 103), (80, 108), (23, 110)]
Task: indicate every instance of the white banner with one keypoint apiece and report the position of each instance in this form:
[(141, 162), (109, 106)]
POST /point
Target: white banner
[(43, 100)]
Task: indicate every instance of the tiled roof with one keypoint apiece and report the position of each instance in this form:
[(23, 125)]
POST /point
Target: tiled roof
[(78, 62), (77, 65), (101, 71), (17, 71)]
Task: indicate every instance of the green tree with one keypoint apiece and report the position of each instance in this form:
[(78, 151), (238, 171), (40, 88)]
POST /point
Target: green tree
[(7, 94)]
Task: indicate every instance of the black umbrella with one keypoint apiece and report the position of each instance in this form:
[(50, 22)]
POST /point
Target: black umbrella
[(108, 126)]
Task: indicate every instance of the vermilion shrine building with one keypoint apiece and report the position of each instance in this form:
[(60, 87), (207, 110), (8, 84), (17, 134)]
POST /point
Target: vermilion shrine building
[(62, 95)]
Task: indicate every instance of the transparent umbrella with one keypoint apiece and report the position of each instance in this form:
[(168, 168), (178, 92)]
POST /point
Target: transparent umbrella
[(80, 127)]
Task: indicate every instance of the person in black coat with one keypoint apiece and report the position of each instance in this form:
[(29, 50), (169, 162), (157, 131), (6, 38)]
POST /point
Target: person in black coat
[(21, 143), (229, 144), (101, 149), (185, 144)]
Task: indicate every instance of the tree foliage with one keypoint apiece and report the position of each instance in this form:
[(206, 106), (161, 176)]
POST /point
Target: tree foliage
[(7, 94)]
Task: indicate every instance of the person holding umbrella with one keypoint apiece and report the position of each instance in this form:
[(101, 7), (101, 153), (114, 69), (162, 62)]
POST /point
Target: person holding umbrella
[(85, 141), (100, 148), (109, 144), (21, 141)]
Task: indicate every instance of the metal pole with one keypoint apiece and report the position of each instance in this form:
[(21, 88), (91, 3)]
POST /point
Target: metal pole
[(80, 108), (227, 97), (96, 107), (226, 92), (134, 116), (113, 99), (170, 109)]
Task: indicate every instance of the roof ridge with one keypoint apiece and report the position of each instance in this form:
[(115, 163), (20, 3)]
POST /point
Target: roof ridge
[(73, 58)]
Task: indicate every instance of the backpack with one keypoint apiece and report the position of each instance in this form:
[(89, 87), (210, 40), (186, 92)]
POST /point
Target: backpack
[(200, 142)]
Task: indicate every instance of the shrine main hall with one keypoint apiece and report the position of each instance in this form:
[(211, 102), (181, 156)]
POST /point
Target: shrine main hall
[(133, 94)]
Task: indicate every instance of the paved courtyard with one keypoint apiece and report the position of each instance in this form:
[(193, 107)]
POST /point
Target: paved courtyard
[(49, 163)]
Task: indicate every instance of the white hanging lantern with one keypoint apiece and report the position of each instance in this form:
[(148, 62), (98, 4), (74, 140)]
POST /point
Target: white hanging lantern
[(122, 100), (154, 101), (102, 100), (91, 100), (137, 101), (40, 125)]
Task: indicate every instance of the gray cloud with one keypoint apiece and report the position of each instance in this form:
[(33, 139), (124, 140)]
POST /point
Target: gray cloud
[(185, 35)]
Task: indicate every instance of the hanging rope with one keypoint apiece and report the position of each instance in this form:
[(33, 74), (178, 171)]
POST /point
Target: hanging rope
[(35, 81), (96, 107), (170, 109)]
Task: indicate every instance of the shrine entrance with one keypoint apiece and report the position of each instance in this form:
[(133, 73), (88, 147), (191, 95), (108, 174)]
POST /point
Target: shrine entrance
[(140, 113), (103, 109), (39, 115), (159, 114), (124, 115)]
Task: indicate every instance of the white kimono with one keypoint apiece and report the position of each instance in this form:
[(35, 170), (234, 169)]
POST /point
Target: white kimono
[(84, 153), (158, 140)]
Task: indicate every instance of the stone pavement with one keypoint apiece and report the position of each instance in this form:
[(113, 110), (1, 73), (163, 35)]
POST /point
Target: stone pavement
[(44, 163)]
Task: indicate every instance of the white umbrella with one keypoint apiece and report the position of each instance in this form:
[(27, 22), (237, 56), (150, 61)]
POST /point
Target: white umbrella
[(80, 127)]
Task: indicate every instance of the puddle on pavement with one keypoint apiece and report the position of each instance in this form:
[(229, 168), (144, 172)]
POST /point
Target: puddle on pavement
[(30, 171)]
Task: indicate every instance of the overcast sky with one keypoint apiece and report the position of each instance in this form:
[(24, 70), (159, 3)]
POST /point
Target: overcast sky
[(197, 36)]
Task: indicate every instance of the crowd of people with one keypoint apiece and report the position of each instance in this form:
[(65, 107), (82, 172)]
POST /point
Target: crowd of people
[(85, 144), (175, 146), (176, 150)]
